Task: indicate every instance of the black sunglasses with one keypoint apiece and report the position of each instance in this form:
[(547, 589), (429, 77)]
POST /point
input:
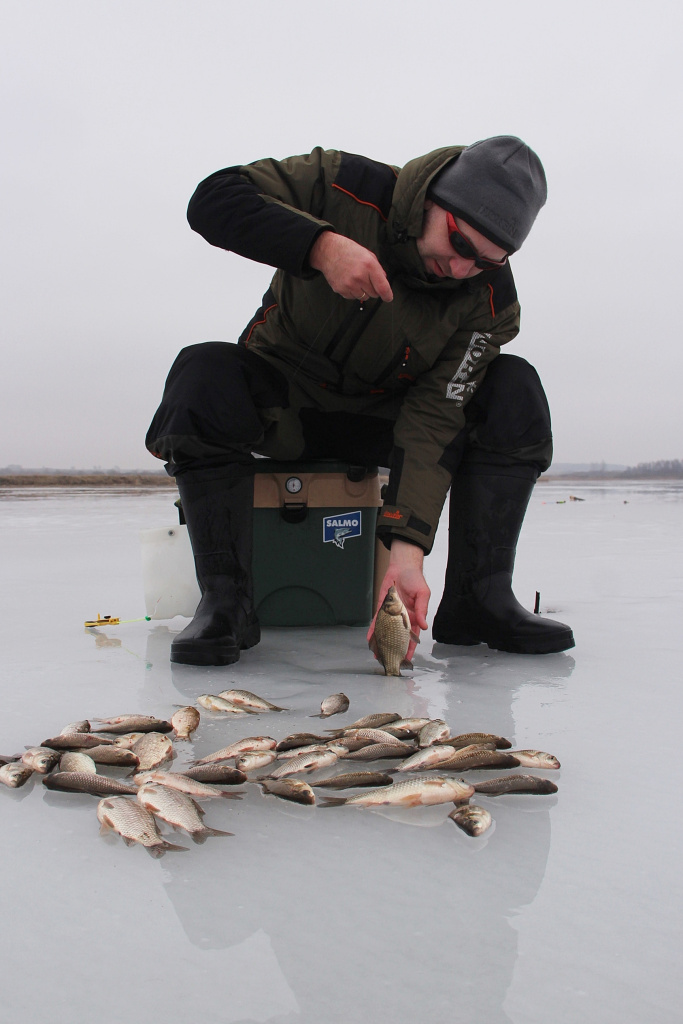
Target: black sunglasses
[(464, 248)]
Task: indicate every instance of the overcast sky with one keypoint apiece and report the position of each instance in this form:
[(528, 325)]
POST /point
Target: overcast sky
[(113, 111)]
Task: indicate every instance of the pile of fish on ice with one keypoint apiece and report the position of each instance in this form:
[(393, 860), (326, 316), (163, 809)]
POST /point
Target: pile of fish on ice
[(133, 807)]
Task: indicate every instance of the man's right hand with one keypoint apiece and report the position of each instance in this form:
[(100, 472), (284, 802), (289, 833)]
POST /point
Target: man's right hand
[(350, 269)]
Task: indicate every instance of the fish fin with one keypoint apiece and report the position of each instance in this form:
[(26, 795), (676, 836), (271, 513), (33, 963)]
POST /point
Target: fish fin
[(407, 664), (104, 828), (372, 644), (332, 801), (405, 618), (232, 796), (128, 841), (321, 715), (415, 637)]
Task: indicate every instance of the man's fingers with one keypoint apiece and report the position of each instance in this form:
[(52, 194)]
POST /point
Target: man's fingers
[(421, 605), (379, 287)]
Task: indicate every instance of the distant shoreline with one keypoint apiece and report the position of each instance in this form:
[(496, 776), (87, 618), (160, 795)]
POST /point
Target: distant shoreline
[(114, 480), (86, 480)]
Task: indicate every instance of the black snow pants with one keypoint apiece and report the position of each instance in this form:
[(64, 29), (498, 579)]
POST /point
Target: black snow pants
[(222, 402)]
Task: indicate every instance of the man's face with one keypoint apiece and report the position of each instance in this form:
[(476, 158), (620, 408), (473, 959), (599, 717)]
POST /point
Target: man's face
[(439, 257)]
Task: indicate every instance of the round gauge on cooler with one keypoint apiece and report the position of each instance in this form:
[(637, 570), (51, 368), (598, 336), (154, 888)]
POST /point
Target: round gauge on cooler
[(293, 485)]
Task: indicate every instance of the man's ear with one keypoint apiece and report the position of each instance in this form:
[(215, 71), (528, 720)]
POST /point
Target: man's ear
[(428, 204)]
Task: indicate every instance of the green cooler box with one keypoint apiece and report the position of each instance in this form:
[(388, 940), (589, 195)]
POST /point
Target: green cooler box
[(314, 543)]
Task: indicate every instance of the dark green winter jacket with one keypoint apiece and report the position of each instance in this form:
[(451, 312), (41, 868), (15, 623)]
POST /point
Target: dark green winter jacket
[(416, 360)]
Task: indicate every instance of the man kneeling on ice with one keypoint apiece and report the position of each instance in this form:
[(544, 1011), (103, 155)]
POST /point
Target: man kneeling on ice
[(377, 343)]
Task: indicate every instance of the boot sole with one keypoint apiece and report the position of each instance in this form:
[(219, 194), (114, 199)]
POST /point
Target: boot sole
[(516, 645), (208, 652), (548, 645)]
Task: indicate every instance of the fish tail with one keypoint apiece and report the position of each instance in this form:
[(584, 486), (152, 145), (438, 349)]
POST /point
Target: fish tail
[(332, 801), (201, 835), (159, 849)]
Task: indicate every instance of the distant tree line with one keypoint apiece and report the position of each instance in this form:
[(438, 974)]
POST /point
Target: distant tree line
[(663, 468)]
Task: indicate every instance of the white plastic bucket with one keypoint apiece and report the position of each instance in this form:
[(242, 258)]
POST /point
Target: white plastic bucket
[(168, 574)]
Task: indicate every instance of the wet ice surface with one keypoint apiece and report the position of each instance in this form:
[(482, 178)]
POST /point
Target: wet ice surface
[(568, 909)]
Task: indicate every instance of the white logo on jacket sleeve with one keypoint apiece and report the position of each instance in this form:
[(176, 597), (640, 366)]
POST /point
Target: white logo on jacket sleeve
[(460, 384)]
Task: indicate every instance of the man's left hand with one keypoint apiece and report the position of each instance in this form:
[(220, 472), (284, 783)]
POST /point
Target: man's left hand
[(405, 573)]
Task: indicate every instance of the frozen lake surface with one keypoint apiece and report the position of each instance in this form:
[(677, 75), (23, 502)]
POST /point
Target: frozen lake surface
[(568, 909)]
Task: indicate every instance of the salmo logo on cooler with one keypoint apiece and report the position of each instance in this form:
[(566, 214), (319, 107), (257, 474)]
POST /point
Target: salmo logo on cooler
[(341, 527)]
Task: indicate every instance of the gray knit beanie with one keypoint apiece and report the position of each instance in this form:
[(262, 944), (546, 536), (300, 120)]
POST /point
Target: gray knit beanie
[(497, 185)]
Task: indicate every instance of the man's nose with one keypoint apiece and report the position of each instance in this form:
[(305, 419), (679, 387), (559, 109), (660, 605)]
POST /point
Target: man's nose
[(460, 267)]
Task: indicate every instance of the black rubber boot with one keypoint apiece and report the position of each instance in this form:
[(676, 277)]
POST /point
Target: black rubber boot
[(478, 606), (218, 509)]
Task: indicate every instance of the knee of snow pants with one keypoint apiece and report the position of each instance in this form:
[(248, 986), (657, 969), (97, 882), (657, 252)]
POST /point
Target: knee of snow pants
[(508, 422)]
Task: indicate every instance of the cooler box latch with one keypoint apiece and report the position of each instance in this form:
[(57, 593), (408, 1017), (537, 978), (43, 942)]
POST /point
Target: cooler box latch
[(294, 511)]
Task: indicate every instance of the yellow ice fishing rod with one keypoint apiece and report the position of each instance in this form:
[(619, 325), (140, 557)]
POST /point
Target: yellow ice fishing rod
[(112, 620)]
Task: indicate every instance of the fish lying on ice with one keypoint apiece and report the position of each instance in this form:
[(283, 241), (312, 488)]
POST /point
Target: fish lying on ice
[(185, 722), (354, 780), (76, 761), (253, 759), (471, 819), (536, 759), (41, 759), (82, 726), (178, 810), (515, 784), (239, 747), (289, 789), (375, 721), (304, 763), (114, 756), (474, 756), (184, 784), (76, 741), (436, 731), (407, 727), (216, 774), (15, 774), (427, 758), (251, 701), (152, 750), (336, 704), (212, 702), (133, 823), (133, 723), (465, 739), (377, 751), (87, 782), (413, 793), (302, 739)]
